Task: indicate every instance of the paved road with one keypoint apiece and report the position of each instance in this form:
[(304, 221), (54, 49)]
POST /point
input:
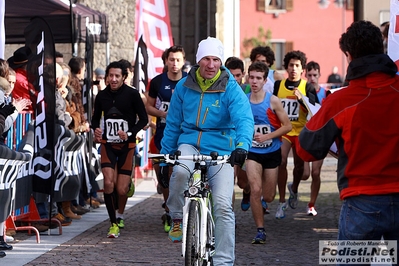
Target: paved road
[(293, 240)]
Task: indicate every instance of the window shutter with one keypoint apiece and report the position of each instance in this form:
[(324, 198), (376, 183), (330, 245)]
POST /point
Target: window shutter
[(289, 5), (349, 4), (260, 5), (289, 46)]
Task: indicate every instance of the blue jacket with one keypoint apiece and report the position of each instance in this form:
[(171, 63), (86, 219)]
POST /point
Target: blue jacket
[(219, 119)]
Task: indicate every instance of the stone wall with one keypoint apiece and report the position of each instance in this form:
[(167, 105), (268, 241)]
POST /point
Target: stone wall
[(188, 25), (121, 19)]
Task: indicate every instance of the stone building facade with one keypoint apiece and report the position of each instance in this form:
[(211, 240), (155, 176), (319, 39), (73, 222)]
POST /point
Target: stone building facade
[(191, 21), (121, 20)]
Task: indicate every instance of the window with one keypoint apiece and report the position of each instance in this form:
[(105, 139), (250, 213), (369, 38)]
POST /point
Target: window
[(280, 48), (274, 6)]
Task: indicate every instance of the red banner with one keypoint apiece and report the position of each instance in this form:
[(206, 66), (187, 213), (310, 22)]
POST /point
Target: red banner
[(152, 22)]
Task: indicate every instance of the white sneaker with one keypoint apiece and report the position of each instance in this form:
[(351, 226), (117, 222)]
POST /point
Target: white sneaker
[(280, 213), (8, 238), (311, 211)]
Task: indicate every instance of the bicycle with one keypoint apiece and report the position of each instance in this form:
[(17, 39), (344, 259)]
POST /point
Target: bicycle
[(198, 241)]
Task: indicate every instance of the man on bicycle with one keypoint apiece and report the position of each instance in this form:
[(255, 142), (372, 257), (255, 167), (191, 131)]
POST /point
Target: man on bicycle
[(208, 112)]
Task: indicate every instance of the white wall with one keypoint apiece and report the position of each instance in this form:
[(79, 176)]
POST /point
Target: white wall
[(228, 26), (373, 8)]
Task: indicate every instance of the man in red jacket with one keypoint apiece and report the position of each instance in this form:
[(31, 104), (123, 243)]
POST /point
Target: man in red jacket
[(363, 119), (22, 88)]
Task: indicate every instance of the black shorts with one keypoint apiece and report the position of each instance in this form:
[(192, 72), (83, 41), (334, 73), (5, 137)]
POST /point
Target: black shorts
[(120, 154), (267, 160)]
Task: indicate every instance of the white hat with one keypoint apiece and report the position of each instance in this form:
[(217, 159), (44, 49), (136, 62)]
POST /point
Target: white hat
[(210, 47)]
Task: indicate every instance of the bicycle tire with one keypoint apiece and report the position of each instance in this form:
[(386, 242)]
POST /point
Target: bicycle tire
[(210, 241), (192, 256), (210, 234)]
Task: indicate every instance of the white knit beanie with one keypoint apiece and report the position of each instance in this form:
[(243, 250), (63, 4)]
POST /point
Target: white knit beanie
[(210, 47)]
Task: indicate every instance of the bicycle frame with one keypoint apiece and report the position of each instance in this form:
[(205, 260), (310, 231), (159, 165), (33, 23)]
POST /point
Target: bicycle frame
[(203, 198), (198, 191)]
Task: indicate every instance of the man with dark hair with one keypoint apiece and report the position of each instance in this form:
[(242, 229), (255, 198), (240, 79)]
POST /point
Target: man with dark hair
[(265, 55), (120, 105), (264, 156), (159, 95), (236, 67), (361, 118), (314, 169), (59, 57), (130, 68), (288, 91)]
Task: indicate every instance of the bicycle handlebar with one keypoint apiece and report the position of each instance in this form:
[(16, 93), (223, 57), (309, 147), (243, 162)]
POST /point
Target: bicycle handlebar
[(172, 158)]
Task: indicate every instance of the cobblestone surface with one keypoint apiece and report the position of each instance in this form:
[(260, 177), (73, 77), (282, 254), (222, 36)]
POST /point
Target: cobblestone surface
[(293, 240)]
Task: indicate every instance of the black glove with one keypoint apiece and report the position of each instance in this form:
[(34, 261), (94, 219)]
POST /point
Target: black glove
[(6, 110), (164, 176), (238, 157)]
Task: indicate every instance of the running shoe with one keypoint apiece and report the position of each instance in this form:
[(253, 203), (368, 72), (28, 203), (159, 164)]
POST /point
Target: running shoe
[(132, 188), (280, 213), (293, 200), (167, 222), (260, 238), (113, 231), (120, 222), (8, 238), (265, 207), (245, 203), (311, 211), (176, 231)]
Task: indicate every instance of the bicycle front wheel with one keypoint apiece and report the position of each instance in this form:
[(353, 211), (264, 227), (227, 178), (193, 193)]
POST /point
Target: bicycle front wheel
[(192, 256)]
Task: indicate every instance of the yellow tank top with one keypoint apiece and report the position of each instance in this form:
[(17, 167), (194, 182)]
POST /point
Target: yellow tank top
[(296, 112)]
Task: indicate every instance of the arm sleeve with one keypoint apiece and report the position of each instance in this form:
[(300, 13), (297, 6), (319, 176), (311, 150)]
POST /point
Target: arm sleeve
[(9, 121), (2, 122), (318, 135), (153, 88), (241, 115), (174, 119), (311, 93), (138, 105)]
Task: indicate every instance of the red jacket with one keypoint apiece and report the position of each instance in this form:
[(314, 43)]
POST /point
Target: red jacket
[(22, 88), (364, 119)]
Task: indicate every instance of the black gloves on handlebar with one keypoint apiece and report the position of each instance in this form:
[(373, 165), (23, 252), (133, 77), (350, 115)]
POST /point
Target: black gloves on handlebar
[(238, 157), (164, 176)]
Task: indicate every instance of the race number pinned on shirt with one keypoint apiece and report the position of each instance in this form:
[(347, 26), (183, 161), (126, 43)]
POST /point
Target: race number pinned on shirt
[(262, 129), (112, 128), (291, 107), (164, 107)]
